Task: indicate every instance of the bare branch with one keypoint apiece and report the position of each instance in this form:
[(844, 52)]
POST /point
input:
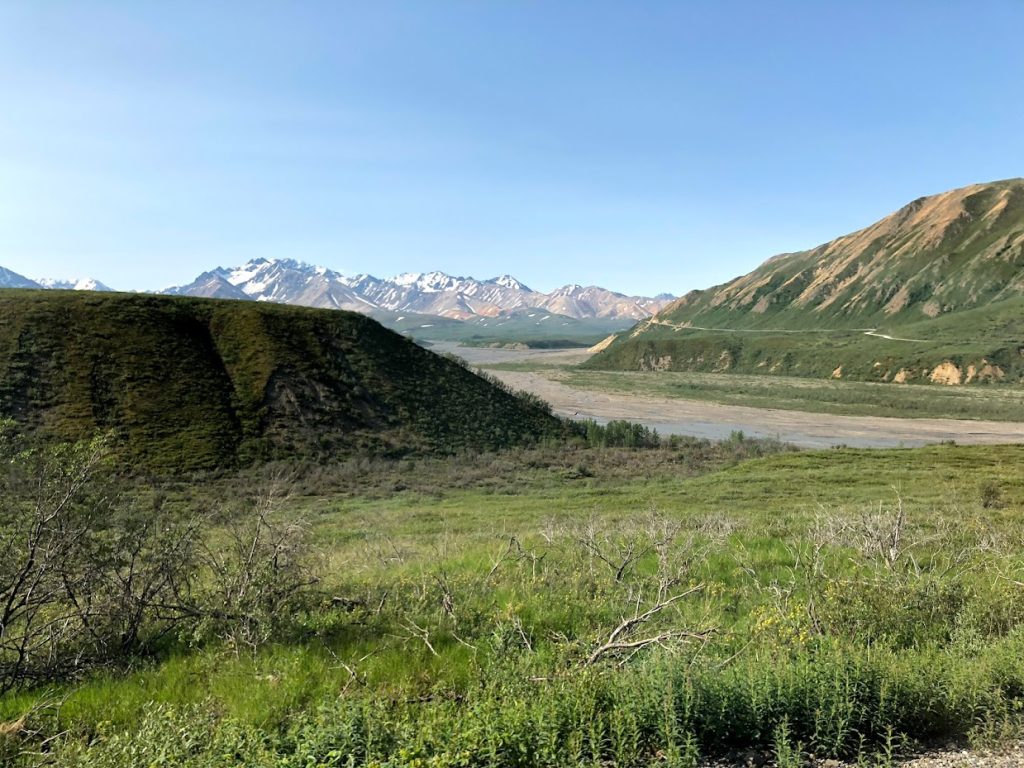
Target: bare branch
[(620, 638)]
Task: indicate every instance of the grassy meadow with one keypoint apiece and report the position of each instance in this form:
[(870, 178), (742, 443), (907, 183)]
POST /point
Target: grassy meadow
[(592, 606)]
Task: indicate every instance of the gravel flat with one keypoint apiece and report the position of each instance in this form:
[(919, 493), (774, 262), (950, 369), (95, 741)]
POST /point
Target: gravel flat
[(715, 421), (1010, 757)]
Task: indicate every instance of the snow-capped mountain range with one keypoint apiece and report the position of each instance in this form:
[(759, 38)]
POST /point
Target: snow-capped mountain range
[(426, 293), (9, 279), (287, 281), (77, 284)]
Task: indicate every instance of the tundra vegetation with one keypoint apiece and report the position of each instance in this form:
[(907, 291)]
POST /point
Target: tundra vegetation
[(190, 384), (578, 603), (984, 339)]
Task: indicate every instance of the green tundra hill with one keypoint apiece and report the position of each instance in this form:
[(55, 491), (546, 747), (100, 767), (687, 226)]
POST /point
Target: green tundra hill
[(186, 383), (942, 276)]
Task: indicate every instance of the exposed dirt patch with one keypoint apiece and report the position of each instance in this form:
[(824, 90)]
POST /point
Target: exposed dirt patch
[(998, 207), (987, 372), (603, 344), (640, 328), (946, 373), (928, 220), (898, 301), (991, 372), (663, 363), (724, 363)]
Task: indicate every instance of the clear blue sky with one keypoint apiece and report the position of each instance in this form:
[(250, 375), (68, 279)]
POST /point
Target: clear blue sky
[(643, 146)]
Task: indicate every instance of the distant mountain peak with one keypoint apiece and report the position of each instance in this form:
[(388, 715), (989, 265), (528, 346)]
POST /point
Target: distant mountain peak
[(73, 284), (567, 290), (9, 279), (429, 281), (507, 281), (434, 293)]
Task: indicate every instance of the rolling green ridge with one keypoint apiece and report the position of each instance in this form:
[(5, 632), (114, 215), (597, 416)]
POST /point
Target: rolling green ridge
[(944, 275), (992, 335), (195, 383)]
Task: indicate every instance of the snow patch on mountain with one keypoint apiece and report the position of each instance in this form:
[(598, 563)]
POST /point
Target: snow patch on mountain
[(425, 293), (9, 279), (507, 281)]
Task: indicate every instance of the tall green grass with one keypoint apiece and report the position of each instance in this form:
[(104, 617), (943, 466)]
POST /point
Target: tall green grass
[(468, 617)]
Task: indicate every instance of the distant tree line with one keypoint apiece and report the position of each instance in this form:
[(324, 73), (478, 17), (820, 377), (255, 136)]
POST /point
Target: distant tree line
[(619, 434)]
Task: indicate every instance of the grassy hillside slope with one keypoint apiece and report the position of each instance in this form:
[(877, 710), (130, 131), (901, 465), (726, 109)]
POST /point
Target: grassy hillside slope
[(944, 275), (987, 340), (191, 383)]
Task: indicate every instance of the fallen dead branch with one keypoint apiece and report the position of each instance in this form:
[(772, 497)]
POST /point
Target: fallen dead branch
[(622, 638)]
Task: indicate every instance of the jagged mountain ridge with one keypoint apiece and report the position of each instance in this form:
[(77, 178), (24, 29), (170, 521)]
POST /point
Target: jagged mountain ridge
[(287, 281), (9, 279), (74, 284)]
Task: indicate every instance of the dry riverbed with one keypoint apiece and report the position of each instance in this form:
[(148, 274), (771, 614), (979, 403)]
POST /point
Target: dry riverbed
[(716, 421)]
